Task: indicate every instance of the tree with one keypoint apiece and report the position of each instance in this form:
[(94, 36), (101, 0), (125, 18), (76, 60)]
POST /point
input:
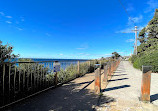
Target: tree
[(142, 36), (148, 36), (102, 58), (115, 55), (152, 27), (148, 49), (6, 52)]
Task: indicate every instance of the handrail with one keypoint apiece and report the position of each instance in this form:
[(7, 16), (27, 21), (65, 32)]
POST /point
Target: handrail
[(42, 61), (26, 80)]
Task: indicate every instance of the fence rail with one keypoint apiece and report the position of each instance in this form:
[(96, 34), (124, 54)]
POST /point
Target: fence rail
[(19, 80)]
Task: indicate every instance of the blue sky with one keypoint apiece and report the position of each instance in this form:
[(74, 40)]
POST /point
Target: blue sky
[(76, 29)]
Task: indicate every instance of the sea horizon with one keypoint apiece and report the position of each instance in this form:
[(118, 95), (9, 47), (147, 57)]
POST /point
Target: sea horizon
[(56, 59)]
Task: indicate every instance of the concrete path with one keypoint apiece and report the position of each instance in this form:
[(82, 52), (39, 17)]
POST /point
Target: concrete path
[(125, 88), (154, 88)]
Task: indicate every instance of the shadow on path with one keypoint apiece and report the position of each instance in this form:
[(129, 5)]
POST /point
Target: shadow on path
[(86, 85), (69, 97), (153, 97), (120, 75), (118, 87), (117, 79)]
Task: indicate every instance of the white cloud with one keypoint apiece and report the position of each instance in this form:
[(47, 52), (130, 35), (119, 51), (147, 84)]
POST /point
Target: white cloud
[(84, 54), (152, 5), (130, 22), (120, 52), (127, 30), (8, 16), (108, 54), (1, 13), (141, 27), (47, 34), (130, 7), (61, 54), (94, 55), (9, 22), (22, 19), (135, 19), (81, 53), (130, 40), (130, 29), (19, 28), (81, 48), (17, 22)]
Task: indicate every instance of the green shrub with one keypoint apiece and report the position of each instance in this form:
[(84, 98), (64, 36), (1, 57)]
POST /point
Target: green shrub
[(84, 67), (150, 59), (136, 63), (133, 58)]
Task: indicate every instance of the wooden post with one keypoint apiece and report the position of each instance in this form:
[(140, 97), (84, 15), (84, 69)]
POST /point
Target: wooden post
[(145, 86), (109, 72), (112, 67), (115, 66), (89, 64), (105, 73), (97, 83), (55, 79), (78, 67)]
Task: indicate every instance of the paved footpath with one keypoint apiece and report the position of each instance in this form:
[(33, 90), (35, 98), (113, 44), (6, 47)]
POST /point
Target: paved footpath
[(125, 88)]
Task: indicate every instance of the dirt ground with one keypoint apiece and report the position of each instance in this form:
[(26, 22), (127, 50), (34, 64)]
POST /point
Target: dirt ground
[(77, 95)]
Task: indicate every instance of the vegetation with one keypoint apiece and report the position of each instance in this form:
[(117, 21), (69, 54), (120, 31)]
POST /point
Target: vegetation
[(6, 53), (71, 71), (115, 55), (148, 50)]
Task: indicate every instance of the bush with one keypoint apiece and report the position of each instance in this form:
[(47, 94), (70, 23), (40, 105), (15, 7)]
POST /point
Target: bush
[(133, 58), (150, 59), (71, 71), (136, 63)]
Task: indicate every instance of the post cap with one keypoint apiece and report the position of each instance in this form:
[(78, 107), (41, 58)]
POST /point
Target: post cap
[(145, 69)]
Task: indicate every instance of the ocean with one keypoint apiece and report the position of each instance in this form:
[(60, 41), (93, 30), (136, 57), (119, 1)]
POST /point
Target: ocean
[(63, 62)]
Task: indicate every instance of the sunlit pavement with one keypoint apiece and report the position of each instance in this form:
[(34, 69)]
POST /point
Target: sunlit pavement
[(125, 88)]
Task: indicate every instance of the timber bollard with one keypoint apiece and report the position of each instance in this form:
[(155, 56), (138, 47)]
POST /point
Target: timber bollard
[(112, 67), (56, 69), (105, 73), (78, 68), (109, 69), (55, 79), (145, 86), (97, 83)]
